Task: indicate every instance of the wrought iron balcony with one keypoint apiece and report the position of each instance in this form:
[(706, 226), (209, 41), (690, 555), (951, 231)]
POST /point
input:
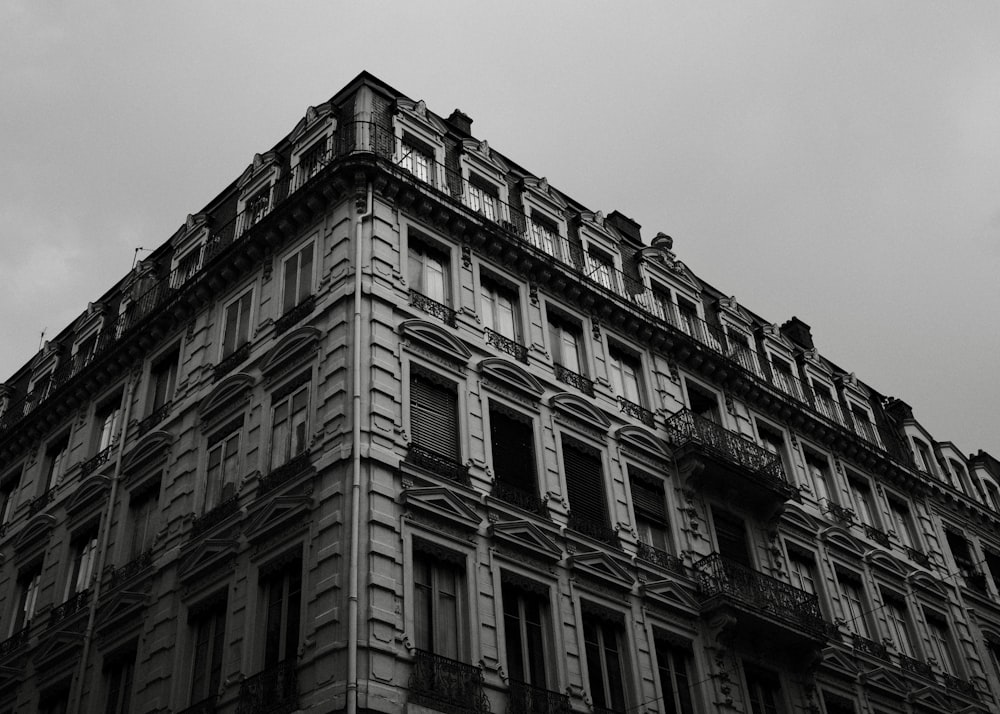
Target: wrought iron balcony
[(228, 364), (771, 606), (447, 685), (294, 315), (665, 560), (97, 460), (518, 497), (738, 461), (879, 536), (957, 684), (525, 698), (205, 706), (636, 411), (39, 502), (869, 647), (16, 641), (286, 472), (130, 569), (844, 515), (158, 415), (438, 464), (918, 556), (593, 528), (433, 308), (915, 666), (77, 603), (505, 344), (272, 691), (573, 379), (216, 515)]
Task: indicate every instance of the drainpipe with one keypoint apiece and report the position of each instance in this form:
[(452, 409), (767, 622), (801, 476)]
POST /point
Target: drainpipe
[(88, 635), (353, 565)]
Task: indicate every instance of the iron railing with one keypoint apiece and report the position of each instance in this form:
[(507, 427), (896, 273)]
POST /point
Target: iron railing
[(574, 379), (438, 464), (446, 684), (665, 560), (39, 502), (915, 666), (844, 515), (595, 528), (877, 535), (294, 315), (286, 472), (158, 415), (433, 308), (505, 344), (205, 706), (518, 497), (16, 641), (129, 570), (763, 467), (636, 411), (272, 691), (523, 698), (97, 460), (957, 684), (760, 592), (217, 515), (77, 603), (869, 647)]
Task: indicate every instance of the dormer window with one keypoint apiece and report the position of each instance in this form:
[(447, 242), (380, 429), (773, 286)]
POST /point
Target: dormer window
[(417, 158), (83, 350), (924, 460), (601, 269), (419, 148), (255, 191), (312, 161), (257, 206), (863, 424), (312, 141), (783, 377), (484, 198), (824, 401), (186, 267)]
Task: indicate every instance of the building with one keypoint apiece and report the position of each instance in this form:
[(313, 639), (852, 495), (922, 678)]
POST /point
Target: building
[(393, 425)]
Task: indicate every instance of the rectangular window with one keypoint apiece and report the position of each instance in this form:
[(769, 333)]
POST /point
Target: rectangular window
[(852, 604), (964, 559), (566, 345), (585, 489), (434, 415), (187, 267), (484, 198), (83, 351), (601, 269), (703, 403), (993, 565), (861, 496), (83, 558), (428, 271), (837, 705), (764, 691), (774, 442), (902, 522), (524, 636), (297, 277), (289, 425), (603, 645), (418, 159), (824, 401), (731, 537), (512, 441), (143, 520), (499, 309), (28, 583), (687, 317), (649, 502), (119, 674), (740, 350), (256, 207), (282, 592), (209, 631), (819, 474), (863, 424), (674, 664), (8, 496), (223, 467), (783, 377), (802, 571), (625, 375), (108, 417), (236, 327), (940, 640), (898, 623), (545, 236), (162, 380), (56, 457), (312, 160), (436, 605)]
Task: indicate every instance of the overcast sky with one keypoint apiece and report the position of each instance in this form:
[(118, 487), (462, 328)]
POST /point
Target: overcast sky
[(837, 161)]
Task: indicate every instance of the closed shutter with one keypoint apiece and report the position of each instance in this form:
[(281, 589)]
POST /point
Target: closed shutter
[(647, 496), (731, 534), (513, 450), (434, 416), (585, 482)]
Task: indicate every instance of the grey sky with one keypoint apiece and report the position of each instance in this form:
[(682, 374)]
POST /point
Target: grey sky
[(837, 161)]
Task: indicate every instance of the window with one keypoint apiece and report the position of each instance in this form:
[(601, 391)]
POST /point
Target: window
[(566, 346), (499, 309), (802, 571), (297, 277), (924, 463), (819, 475), (434, 414), (119, 673), (162, 380), (545, 236), (83, 351), (83, 559), (663, 306), (962, 553), (764, 691), (774, 442), (740, 350), (824, 401), (223, 465), (992, 494), (649, 502), (236, 328), (186, 268), (143, 522), (283, 602), (861, 496), (108, 418), (436, 604), (8, 497), (852, 607), (312, 160), (902, 522), (687, 317), (731, 537), (837, 705), (703, 403), (863, 424), (993, 565), (209, 630), (428, 271), (674, 664), (513, 449), (484, 198), (783, 377), (601, 269), (56, 456), (418, 159), (941, 649), (28, 583), (54, 702), (897, 622), (625, 375), (602, 641), (585, 490), (524, 636), (256, 207), (289, 423)]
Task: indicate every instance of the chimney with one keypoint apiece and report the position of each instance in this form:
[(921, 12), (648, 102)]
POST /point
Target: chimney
[(799, 333), (626, 226), (461, 122)]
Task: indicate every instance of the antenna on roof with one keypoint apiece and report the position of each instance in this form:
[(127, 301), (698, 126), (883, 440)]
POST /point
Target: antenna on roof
[(135, 256)]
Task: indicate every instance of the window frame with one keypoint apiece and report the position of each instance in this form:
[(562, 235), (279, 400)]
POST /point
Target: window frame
[(287, 394), (446, 381), (291, 620), (82, 562), (442, 549), (495, 405), (300, 279), (220, 438), (492, 288), (420, 246), (224, 348), (617, 376)]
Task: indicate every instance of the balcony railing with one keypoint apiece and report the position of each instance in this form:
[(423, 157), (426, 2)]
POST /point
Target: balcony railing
[(438, 464), (446, 684), (759, 592), (77, 603), (433, 308), (957, 684), (879, 536), (205, 706), (130, 569), (294, 315), (272, 691), (758, 463), (157, 416), (573, 379), (518, 497), (869, 647), (636, 411), (505, 344), (97, 460), (528, 699), (39, 502), (844, 515), (286, 472), (228, 364), (16, 641), (598, 529), (915, 666), (216, 515), (918, 556), (665, 560)]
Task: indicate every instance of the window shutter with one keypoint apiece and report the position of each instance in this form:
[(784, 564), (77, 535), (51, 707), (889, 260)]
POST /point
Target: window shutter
[(584, 481), (434, 416), (513, 450), (647, 496)]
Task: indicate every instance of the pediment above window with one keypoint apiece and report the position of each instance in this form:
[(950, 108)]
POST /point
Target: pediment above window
[(120, 618), (481, 157), (838, 537), (440, 503), (416, 113), (34, 537), (510, 375), (540, 192), (211, 556), (664, 267), (57, 654), (527, 537), (90, 321), (886, 564), (602, 567), (283, 514), (428, 335), (193, 232), (294, 348), (149, 453), (317, 120), (886, 680), (795, 519), (920, 579), (89, 497), (671, 594), (644, 441), (734, 314), (579, 409), (47, 358), (230, 395), (262, 169), (836, 660)]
